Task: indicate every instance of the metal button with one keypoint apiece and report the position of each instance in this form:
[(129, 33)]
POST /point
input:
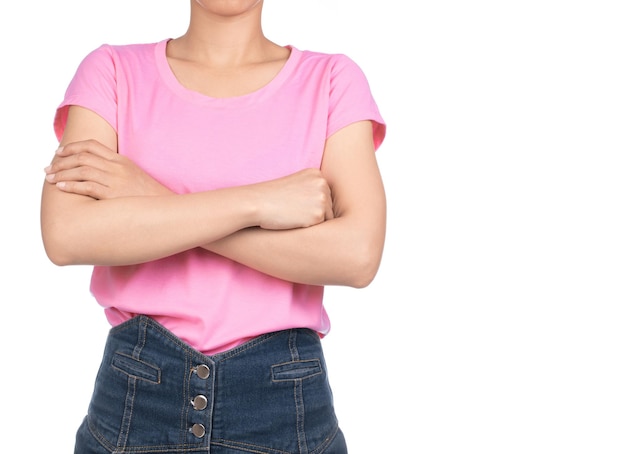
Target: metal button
[(199, 402), (203, 371), (198, 430)]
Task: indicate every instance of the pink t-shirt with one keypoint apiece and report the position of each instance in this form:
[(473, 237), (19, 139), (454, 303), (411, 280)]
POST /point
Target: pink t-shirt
[(191, 142)]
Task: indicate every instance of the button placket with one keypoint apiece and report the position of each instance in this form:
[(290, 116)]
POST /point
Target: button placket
[(200, 402)]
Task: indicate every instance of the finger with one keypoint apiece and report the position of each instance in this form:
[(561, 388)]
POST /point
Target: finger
[(330, 214), (82, 159), (330, 209), (92, 146), (87, 188), (81, 173)]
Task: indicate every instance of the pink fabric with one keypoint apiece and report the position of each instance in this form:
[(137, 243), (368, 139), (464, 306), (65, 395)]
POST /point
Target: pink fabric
[(191, 142)]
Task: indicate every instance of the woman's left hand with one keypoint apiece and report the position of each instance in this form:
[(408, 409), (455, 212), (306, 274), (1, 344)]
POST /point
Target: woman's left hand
[(92, 169)]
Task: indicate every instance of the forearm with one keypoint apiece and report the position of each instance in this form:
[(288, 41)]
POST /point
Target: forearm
[(129, 230), (336, 252), (345, 250)]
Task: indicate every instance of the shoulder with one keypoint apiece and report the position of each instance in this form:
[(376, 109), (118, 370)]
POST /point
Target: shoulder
[(119, 64), (349, 95), (134, 50), (331, 60), (337, 66), (120, 53)]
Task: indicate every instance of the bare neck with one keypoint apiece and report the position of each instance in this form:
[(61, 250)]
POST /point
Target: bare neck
[(224, 41)]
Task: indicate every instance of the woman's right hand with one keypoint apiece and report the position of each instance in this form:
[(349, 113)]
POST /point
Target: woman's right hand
[(301, 199), (90, 168)]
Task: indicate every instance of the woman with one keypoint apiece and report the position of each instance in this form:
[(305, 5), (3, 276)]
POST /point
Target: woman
[(216, 181)]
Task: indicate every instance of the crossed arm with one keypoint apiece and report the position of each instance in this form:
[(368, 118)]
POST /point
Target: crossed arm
[(318, 226)]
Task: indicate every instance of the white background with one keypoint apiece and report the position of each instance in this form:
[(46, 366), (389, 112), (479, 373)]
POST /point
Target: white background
[(497, 321)]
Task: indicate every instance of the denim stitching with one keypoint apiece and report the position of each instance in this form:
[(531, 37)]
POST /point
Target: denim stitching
[(298, 395), (243, 347), (132, 388), (276, 373), (184, 412), (128, 413), (327, 442), (247, 447), (98, 436), (128, 372), (181, 448)]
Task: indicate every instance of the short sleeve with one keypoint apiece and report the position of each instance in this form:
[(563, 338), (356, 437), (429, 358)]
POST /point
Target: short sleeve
[(351, 99), (92, 87)]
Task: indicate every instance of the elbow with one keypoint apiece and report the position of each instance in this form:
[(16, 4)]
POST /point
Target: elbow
[(364, 267), (56, 255), (57, 232), (60, 260), (57, 248), (363, 277)]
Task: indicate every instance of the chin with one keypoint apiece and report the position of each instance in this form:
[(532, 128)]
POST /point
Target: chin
[(228, 7)]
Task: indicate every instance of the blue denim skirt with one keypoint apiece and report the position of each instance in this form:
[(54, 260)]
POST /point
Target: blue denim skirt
[(156, 394)]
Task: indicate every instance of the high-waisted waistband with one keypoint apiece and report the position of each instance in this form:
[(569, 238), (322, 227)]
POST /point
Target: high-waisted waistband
[(156, 394)]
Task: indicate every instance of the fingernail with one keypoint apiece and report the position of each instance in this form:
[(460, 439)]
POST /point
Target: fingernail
[(47, 169), (58, 150), (50, 177)]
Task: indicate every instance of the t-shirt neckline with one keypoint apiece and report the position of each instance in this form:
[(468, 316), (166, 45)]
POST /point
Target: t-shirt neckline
[(173, 83)]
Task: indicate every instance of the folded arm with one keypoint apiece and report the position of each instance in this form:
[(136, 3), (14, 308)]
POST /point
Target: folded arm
[(91, 215), (100, 208)]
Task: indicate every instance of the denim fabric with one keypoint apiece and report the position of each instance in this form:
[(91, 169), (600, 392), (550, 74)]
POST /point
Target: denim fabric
[(156, 394)]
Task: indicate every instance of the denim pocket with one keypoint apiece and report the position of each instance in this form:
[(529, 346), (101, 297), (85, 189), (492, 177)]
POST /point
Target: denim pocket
[(136, 368), (296, 370)]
